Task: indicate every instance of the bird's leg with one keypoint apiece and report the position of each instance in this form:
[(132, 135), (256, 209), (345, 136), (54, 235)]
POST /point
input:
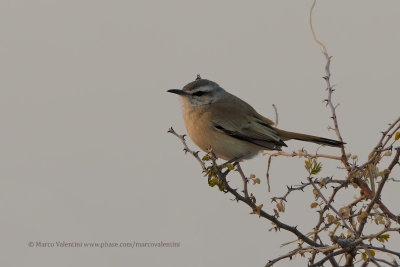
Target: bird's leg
[(237, 159), (234, 160)]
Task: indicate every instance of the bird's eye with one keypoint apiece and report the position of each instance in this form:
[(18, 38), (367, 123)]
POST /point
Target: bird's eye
[(199, 93)]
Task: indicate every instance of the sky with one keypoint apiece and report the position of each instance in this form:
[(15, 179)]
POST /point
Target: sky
[(85, 155)]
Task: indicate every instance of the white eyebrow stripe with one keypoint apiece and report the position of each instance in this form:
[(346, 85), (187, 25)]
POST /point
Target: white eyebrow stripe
[(203, 88)]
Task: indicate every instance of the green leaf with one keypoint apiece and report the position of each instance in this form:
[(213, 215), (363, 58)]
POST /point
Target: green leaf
[(317, 166), (364, 256), (230, 166), (383, 238), (213, 182), (313, 166), (205, 158), (221, 185), (372, 252)]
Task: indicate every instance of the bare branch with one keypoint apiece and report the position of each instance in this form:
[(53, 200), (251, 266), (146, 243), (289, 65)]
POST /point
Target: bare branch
[(330, 255), (247, 200), (322, 181), (299, 154), (330, 205), (268, 168), (329, 87), (379, 191), (186, 148), (288, 255), (244, 179)]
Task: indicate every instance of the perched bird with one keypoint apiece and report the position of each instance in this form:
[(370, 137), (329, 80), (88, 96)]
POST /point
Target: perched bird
[(235, 131)]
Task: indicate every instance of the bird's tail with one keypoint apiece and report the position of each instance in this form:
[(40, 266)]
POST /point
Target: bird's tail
[(285, 135)]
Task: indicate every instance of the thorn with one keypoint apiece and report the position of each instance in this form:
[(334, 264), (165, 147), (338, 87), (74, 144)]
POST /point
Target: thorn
[(325, 77)]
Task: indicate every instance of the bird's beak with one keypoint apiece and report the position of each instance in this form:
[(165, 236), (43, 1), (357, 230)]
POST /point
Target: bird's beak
[(177, 91)]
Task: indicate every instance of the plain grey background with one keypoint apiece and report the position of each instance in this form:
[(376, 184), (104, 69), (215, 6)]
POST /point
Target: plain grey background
[(84, 149)]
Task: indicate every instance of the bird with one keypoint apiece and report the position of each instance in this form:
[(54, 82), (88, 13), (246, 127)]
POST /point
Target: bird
[(234, 130)]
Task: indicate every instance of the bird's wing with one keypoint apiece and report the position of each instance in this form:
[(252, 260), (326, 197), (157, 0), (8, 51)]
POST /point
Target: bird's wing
[(241, 121)]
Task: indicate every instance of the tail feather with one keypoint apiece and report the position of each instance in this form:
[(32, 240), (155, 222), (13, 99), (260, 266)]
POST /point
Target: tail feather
[(285, 135)]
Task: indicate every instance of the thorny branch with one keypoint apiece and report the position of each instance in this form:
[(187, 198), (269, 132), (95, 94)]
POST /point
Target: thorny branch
[(242, 198), (302, 186), (330, 89)]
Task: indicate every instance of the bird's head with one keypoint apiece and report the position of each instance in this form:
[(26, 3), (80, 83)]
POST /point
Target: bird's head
[(200, 92)]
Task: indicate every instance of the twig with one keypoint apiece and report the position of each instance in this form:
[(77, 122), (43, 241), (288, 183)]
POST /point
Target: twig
[(276, 115), (268, 168), (325, 250), (300, 154), (288, 255), (383, 249), (387, 135), (330, 255), (322, 212), (186, 148), (379, 191), (327, 225), (330, 206), (304, 185), (386, 262), (244, 179), (330, 88)]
